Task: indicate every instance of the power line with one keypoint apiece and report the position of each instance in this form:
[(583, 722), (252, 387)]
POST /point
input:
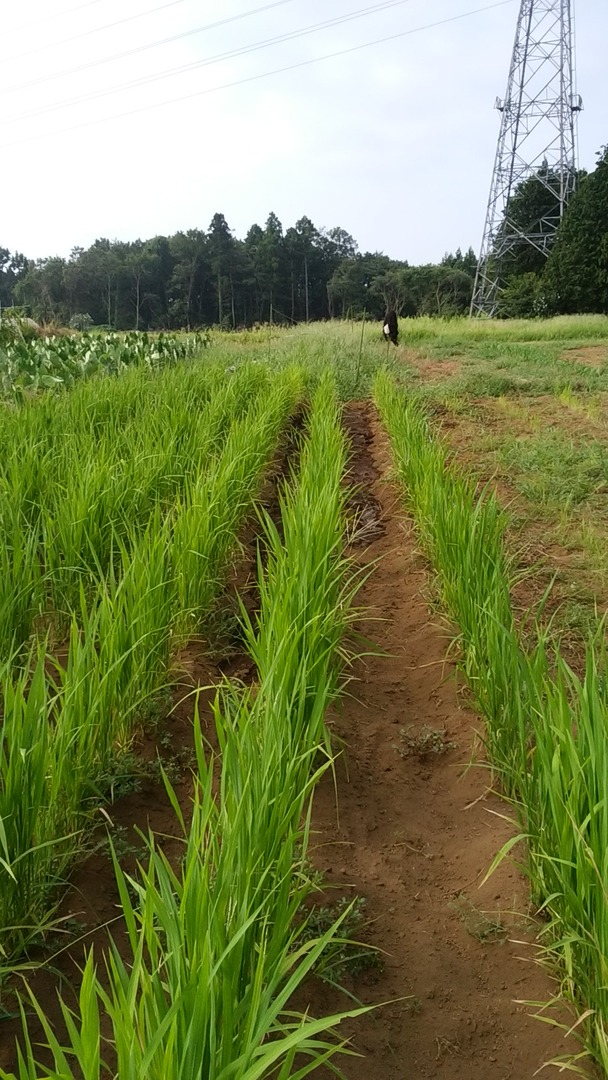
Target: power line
[(151, 45), (208, 61), (48, 18), (262, 75), (96, 30)]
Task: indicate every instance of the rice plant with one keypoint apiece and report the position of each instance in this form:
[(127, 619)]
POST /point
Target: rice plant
[(216, 950), (80, 471), (462, 532), (65, 723)]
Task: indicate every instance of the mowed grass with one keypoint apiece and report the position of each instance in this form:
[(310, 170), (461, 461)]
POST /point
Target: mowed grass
[(524, 406)]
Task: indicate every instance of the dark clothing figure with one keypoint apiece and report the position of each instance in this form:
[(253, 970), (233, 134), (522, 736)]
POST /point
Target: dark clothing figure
[(390, 327)]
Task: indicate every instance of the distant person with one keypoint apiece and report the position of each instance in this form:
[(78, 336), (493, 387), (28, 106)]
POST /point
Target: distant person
[(390, 327)]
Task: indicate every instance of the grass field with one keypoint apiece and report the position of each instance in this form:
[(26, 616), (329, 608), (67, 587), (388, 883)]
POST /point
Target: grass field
[(528, 413), (127, 503)]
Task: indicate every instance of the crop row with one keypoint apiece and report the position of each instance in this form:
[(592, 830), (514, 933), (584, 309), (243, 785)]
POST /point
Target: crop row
[(118, 584), (48, 363), (546, 727), (218, 946), (82, 475)]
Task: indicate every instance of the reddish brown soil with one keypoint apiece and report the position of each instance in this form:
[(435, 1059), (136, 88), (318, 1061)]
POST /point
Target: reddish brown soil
[(430, 369), (592, 355), (413, 836)]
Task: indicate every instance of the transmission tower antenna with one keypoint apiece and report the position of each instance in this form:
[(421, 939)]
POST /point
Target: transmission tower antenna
[(537, 139)]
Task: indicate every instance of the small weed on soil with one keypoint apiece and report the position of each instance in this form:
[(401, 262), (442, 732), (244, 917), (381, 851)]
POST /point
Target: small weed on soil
[(426, 741)]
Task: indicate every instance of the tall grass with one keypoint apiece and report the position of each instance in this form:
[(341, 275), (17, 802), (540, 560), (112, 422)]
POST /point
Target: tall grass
[(546, 727), (218, 499), (218, 947), (344, 349), (464, 330)]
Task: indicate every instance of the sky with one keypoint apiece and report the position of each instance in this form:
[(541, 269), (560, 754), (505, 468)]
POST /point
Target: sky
[(134, 118)]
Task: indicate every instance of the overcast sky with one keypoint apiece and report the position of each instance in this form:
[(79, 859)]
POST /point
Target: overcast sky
[(394, 142)]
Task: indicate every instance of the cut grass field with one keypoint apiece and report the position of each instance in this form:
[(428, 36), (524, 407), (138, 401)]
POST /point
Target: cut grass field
[(121, 503), (525, 410)]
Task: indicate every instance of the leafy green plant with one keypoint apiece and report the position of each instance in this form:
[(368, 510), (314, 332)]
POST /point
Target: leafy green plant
[(48, 363), (348, 955)]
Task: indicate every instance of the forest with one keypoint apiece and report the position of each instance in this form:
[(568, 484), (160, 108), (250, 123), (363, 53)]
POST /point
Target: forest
[(304, 273), (573, 278), (201, 278)]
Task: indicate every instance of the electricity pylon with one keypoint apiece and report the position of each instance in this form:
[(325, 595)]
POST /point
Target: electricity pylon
[(537, 139)]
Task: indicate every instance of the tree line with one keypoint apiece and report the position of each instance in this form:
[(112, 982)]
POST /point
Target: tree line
[(202, 278)]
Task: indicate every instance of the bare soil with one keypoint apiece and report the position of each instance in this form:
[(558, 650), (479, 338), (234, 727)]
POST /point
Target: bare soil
[(592, 355), (414, 832), (430, 369)]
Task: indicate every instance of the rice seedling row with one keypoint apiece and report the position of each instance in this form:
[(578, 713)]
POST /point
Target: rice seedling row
[(545, 725), (65, 723), (83, 474), (218, 947)]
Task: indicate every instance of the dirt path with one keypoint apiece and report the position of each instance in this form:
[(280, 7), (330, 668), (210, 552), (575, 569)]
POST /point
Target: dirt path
[(415, 835)]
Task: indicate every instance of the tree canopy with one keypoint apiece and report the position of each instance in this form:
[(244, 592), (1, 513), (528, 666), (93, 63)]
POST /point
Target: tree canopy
[(566, 271), (576, 276)]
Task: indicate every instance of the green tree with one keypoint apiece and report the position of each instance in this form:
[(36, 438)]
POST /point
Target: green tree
[(532, 210), (253, 248), (339, 244), (220, 243), (269, 261), (522, 297), (312, 258), (447, 290), (101, 269), (190, 278), (334, 245), (393, 287), (13, 269), (271, 254), (352, 287), (467, 262), (142, 263), (158, 249), (42, 290), (576, 276), (307, 238)]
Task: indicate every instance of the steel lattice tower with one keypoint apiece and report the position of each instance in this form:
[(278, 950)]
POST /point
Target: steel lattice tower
[(537, 138)]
